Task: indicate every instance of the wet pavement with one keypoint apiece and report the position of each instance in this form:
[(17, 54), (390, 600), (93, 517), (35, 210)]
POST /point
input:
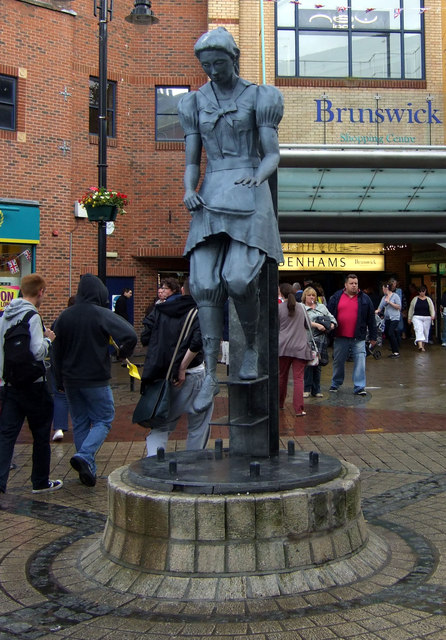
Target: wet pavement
[(396, 437)]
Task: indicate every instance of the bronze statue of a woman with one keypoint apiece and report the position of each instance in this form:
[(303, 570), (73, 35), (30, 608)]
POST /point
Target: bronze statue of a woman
[(233, 227)]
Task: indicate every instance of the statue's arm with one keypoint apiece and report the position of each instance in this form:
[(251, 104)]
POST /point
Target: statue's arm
[(192, 172), (269, 112), (270, 161)]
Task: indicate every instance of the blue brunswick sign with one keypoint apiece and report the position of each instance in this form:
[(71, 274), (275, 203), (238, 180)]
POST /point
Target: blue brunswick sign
[(327, 112)]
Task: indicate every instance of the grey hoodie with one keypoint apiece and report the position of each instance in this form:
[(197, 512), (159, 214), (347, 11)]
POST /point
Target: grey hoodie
[(12, 315)]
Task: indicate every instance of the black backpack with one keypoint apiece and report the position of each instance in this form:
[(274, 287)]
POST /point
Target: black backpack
[(20, 368)]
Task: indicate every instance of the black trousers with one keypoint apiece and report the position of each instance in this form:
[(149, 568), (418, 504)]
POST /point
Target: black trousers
[(391, 330), (36, 404)]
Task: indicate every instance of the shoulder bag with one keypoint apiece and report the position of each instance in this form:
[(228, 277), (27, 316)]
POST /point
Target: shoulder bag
[(311, 342), (154, 404)]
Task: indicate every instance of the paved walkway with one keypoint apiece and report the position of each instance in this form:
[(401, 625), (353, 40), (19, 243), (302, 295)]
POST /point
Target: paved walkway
[(395, 435)]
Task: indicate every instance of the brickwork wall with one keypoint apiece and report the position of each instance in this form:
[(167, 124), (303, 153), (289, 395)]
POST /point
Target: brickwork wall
[(49, 50)]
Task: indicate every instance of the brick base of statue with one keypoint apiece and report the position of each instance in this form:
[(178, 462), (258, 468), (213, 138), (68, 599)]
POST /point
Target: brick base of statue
[(174, 545)]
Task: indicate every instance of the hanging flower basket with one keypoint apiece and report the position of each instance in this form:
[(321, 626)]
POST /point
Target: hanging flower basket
[(102, 212), (103, 204)]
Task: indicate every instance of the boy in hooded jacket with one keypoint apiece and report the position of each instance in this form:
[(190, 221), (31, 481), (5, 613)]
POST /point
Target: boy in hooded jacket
[(32, 401), (82, 368)]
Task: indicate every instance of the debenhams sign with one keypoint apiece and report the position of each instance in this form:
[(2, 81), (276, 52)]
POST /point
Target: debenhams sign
[(331, 261)]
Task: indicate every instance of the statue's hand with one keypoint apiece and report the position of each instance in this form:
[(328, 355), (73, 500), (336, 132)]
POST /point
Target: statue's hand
[(192, 200), (249, 181)]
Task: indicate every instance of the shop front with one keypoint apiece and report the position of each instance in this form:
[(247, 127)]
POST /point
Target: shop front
[(19, 235), (356, 210)]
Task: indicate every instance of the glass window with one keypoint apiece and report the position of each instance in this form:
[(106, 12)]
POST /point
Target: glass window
[(110, 107), (286, 53), (7, 102), (167, 123), (285, 13), (376, 55), (325, 56), (351, 40), (412, 55)]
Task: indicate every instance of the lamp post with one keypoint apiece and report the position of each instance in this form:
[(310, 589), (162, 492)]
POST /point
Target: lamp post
[(103, 9)]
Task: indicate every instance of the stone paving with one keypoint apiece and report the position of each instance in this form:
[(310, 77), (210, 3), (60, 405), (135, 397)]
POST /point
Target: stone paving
[(45, 540)]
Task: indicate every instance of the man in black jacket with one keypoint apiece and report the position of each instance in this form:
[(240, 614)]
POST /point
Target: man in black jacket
[(121, 304), (160, 334), (83, 369), (355, 315)]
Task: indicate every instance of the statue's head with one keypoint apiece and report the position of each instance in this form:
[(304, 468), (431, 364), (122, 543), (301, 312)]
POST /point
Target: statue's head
[(221, 40)]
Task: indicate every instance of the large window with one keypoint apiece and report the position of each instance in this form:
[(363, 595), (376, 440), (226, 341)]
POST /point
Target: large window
[(167, 123), (359, 39), (7, 102), (110, 107)]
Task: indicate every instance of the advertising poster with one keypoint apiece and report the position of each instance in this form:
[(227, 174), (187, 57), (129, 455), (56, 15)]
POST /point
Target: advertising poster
[(7, 293)]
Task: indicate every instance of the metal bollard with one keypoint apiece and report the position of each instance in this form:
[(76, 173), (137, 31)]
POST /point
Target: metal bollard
[(218, 449), (160, 453), (173, 467), (254, 469), (313, 458)]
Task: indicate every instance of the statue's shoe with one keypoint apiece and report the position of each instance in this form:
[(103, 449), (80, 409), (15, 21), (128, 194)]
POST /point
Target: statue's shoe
[(205, 396), (249, 368)]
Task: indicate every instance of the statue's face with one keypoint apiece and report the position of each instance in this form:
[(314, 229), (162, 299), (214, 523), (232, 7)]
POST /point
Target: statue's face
[(218, 65)]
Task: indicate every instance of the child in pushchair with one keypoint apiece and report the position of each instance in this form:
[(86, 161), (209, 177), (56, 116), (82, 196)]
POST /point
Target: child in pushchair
[(376, 350)]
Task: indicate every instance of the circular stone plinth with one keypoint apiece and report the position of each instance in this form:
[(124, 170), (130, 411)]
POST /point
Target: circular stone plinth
[(170, 544), (208, 472)]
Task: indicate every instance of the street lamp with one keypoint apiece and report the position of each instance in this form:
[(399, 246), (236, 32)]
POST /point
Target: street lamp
[(141, 14)]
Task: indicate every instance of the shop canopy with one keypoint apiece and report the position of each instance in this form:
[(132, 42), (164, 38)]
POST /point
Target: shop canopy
[(362, 193)]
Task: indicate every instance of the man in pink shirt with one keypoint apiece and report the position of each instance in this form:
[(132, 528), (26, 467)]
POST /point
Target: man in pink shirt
[(355, 315)]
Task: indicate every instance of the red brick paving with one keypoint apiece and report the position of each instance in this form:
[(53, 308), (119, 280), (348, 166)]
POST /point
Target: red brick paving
[(320, 420), (332, 415)]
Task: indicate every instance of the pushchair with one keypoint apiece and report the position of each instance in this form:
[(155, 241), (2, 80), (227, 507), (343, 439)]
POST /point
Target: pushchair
[(376, 350)]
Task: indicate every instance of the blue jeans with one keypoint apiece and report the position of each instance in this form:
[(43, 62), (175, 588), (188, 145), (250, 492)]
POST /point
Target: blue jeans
[(92, 411), (61, 412), (60, 420), (443, 333), (341, 349), (35, 404), (312, 380)]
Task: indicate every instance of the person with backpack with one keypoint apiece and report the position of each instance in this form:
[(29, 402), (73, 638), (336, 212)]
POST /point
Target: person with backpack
[(24, 345), (82, 368)]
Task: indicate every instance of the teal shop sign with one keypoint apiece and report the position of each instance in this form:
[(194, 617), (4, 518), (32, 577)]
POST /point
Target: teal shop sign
[(19, 222)]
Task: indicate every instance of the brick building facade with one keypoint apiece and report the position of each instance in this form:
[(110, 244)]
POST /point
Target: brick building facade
[(49, 160)]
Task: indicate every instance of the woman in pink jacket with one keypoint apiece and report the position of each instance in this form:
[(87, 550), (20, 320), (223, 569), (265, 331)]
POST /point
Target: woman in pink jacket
[(294, 350)]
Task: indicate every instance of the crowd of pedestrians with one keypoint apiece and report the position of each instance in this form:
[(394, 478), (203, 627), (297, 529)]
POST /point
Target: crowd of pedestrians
[(72, 360), (351, 321)]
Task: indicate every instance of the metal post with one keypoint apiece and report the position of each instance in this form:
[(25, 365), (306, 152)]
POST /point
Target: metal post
[(141, 14), (102, 130)]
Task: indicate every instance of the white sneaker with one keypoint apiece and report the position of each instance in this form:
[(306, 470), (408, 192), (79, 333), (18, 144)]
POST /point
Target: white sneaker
[(58, 435), (443, 344), (306, 394)]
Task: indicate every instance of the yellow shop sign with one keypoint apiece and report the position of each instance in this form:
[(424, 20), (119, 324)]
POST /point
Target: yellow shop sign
[(331, 262)]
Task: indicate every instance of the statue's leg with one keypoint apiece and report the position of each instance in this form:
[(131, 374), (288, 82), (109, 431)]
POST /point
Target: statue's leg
[(209, 291), (248, 314), (211, 324), (241, 272)]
